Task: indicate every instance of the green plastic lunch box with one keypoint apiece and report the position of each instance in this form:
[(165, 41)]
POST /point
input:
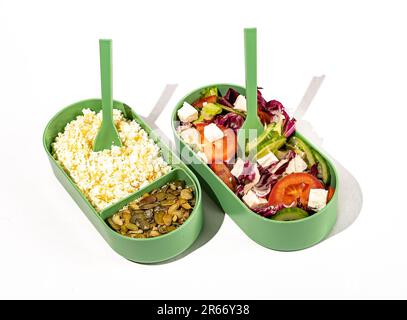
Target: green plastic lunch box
[(150, 250), (277, 235)]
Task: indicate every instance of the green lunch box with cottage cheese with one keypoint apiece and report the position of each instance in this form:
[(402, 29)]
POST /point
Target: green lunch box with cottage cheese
[(143, 250)]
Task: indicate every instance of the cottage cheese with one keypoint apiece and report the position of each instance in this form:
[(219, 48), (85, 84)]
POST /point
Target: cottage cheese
[(109, 175)]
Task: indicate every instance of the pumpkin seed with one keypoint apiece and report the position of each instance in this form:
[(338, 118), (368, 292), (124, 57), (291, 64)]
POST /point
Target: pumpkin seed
[(132, 227), (113, 225), (154, 233), (126, 216), (148, 206), (117, 219), (123, 229), (162, 229), (179, 183), (173, 208), (186, 205), (160, 196), (170, 196), (167, 219), (156, 213), (186, 194), (178, 213), (134, 206), (168, 202), (138, 235), (171, 228), (148, 200), (158, 217)]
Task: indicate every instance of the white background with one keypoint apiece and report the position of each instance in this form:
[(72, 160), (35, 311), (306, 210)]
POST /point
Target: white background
[(49, 59)]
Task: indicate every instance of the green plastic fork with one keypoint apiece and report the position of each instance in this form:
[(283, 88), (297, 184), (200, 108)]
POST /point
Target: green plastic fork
[(107, 135), (252, 127)]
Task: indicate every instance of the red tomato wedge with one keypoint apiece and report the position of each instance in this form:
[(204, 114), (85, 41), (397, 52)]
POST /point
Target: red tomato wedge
[(223, 172), (221, 150), (200, 127), (294, 187), (200, 102), (331, 192)]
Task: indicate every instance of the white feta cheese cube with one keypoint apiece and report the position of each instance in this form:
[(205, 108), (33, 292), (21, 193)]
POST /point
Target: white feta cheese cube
[(187, 113), (191, 136), (212, 133), (240, 103), (296, 165), (317, 199), (238, 168), (253, 201), (267, 160)]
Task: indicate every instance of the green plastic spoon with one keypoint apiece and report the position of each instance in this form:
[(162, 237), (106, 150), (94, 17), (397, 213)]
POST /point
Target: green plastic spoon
[(107, 135), (252, 127)]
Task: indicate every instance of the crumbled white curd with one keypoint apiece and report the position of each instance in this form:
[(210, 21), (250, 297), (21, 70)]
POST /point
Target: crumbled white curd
[(110, 175)]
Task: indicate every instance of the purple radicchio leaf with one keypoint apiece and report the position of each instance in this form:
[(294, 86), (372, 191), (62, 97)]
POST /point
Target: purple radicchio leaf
[(230, 120), (249, 173), (289, 127), (271, 174), (240, 190), (276, 108), (273, 106), (231, 96), (261, 102), (264, 190), (268, 211), (314, 170), (278, 168), (266, 182), (226, 103)]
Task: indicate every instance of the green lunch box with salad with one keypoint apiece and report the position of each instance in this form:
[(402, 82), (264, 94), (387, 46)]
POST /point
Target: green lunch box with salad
[(284, 196), (140, 197)]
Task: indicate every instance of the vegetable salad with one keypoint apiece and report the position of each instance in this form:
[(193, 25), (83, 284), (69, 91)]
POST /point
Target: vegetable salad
[(284, 178)]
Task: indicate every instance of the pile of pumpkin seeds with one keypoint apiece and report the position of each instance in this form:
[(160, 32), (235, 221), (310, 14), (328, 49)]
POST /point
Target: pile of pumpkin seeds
[(156, 213)]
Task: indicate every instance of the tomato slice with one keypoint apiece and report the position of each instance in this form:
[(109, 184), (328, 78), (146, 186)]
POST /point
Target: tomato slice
[(200, 102), (331, 192), (201, 127), (293, 188), (221, 150), (225, 149), (223, 172)]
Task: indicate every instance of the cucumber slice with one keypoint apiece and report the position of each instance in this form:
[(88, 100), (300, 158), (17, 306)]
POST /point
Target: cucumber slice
[(323, 168), (228, 109), (300, 144), (261, 139), (272, 146), (290, 214)]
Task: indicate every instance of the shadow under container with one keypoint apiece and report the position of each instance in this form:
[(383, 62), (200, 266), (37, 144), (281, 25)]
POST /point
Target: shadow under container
[(149, 250), (277, 235)]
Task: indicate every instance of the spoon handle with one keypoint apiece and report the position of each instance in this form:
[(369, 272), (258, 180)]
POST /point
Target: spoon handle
[(250, 47), (105, 48)]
